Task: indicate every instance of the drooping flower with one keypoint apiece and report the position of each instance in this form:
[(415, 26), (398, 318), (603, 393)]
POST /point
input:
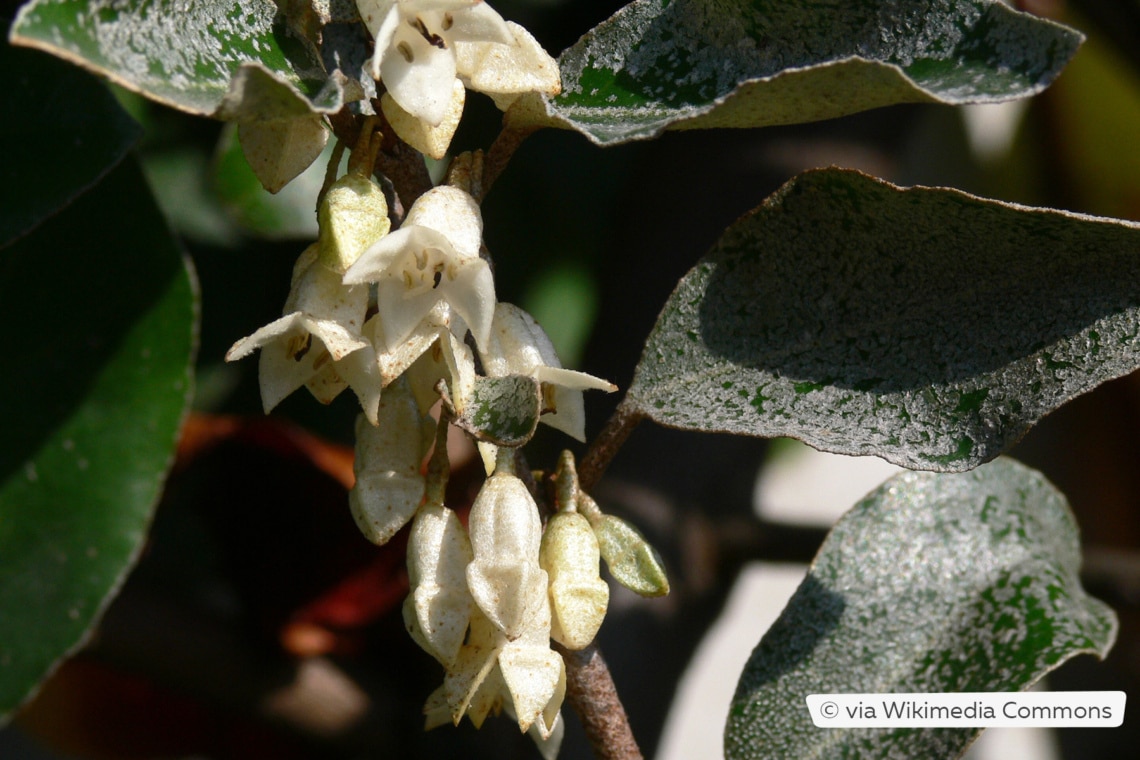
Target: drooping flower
[(519, 346), (433, 258), (423, 46), (321, 326), (318, 342)]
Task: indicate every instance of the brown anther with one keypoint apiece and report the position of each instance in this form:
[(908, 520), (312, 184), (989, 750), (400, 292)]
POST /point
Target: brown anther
[(448, 20), (322, 360), (433, 39), (298, 346), (406, 51), (421, 259)]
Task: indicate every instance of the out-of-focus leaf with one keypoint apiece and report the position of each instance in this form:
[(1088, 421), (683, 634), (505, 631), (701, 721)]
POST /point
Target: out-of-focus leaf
[(502, 410), (925, 326), (686, 64), (180, 54), (62, 130), (102, 311), (932, 583)]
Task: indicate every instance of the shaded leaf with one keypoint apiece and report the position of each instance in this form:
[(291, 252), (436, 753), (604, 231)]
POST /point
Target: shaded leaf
[(932, 583), (62, 131), (99, 374), (686, 64), (180, 54), (502, 410), (925, 326)]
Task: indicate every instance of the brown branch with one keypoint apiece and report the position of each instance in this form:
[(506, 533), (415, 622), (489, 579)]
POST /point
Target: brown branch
[(499, 154), (603, 448), (591, 692)]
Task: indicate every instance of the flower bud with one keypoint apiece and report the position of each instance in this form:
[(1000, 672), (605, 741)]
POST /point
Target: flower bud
[(389, 487), (631, 560), (352, 216), (578, 595), (505, 578), (439, 607)]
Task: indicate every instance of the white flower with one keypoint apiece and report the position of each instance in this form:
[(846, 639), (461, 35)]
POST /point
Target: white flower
[(439, 606), (433, 258), (422, 46), (320, 328), (519, 346)]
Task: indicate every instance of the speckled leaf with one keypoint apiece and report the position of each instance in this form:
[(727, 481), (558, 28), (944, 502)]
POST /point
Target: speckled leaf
[(932, 583), (925, 326), (180, 54), (53, 153), (685, 64), (502, 410), (101, 308)]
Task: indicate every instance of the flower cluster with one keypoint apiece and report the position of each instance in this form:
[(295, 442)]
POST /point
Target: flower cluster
[(408, 318)]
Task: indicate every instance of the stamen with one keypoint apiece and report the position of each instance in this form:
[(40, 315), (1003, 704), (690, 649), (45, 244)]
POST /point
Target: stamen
[(431, 37), (448, 20), (298, 346), (406, 51), (322, 360)]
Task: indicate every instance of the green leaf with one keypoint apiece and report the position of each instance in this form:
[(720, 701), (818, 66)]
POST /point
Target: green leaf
[(686, 64), (62, 131), (925, 326), (932, 583), (101, 311), (502, 410), (180, 54)]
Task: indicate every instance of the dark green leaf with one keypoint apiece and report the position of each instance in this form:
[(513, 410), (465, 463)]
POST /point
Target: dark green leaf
[(180, 54), (686, 64), (925, 326), (101, 313), (502, 410), (62, 130), (932, 583)]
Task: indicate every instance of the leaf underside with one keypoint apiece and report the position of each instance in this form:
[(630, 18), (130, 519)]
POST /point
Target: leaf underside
[(925, 326), (933, 583)]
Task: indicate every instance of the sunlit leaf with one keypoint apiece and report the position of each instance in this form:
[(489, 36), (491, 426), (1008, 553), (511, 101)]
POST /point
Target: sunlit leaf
[(180, 54), (101, 313), (686, 64), (502, 410), (925, 326), (933, 583)]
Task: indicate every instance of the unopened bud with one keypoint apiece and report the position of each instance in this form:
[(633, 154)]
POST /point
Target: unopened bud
[(439, 606), (389, 487), (505, 578), (578, 595), (353, 215), (632, 561)]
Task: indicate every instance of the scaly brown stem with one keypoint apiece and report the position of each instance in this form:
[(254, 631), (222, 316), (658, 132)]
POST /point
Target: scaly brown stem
[(590, 691), (603, 448)]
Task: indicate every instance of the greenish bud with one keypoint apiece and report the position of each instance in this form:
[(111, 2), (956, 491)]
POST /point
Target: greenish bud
[(353, 215), (631, 560)]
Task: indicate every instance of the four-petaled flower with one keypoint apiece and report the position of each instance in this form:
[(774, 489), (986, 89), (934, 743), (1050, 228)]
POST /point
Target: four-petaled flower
[(423, 46), (433, 258)]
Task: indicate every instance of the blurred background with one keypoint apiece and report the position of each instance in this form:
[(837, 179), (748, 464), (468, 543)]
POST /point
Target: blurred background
[(259, 624)]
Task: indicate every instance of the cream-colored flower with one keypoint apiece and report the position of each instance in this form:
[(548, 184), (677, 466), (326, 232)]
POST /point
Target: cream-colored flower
[(389, 487), (423, 46), (519, 346), (433, 258), (320, 328)]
